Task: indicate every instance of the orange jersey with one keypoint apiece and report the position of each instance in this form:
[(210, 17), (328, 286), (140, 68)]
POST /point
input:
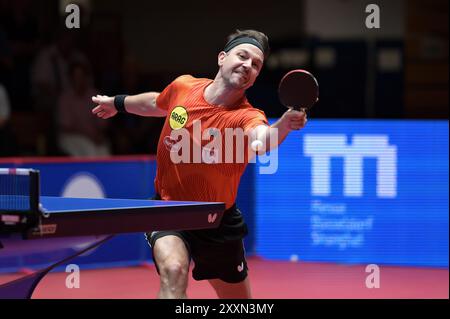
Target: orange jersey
[(198, 179)]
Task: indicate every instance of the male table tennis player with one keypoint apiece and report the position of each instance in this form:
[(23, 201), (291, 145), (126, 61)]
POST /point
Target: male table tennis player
[(218, 254)]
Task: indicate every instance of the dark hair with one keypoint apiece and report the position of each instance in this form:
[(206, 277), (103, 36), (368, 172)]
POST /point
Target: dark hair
[(262, 39)]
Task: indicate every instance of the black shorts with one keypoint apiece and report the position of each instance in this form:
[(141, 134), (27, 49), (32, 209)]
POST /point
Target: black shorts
[(217, 253)]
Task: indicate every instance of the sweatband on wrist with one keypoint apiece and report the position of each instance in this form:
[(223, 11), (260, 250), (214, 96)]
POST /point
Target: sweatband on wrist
[(119, 103)]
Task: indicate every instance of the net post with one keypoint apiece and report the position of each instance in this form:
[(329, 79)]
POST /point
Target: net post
[(34, 190)]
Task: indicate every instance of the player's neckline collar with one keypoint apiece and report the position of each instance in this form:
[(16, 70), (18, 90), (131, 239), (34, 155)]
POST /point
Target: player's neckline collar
[(240, 102)]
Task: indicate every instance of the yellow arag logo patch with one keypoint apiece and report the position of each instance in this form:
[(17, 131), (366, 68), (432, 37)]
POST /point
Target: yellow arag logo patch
[(178, 118)]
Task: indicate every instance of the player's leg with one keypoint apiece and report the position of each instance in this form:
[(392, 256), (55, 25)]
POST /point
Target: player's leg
[(171, 257), (225, 290), (224, 265)]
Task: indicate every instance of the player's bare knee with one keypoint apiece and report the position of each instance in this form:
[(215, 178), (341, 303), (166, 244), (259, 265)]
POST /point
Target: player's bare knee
[(174, 271)]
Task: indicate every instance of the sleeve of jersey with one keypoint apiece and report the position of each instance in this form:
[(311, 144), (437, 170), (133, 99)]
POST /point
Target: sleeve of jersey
[(253, 119), (165, 98)]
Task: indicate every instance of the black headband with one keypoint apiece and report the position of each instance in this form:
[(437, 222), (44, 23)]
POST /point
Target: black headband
[(236, 41)]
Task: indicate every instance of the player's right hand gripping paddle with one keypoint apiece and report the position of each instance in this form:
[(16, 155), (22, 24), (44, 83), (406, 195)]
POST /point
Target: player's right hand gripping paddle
[(299, 90)]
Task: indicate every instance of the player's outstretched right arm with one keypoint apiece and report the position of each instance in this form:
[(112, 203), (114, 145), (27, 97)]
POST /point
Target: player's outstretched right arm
[(141, 104)]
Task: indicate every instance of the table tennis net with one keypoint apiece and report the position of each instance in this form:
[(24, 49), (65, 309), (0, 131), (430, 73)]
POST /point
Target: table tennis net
[(19, 189)]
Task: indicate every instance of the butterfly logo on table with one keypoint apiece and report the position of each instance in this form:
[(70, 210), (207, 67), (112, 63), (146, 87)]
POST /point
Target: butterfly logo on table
[(212, 218)]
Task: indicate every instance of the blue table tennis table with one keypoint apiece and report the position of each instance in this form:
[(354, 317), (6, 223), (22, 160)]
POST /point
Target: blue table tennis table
[(88, 223)]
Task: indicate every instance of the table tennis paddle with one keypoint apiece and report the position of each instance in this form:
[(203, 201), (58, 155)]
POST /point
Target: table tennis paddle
[(298, 89)]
